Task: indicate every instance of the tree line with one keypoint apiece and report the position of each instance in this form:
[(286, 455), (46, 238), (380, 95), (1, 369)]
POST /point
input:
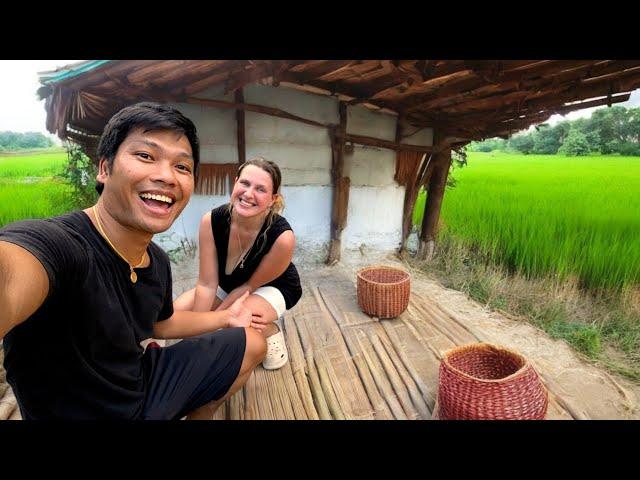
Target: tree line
[(608, 131), (13, 141)]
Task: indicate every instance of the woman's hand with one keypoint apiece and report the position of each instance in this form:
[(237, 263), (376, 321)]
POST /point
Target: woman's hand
[(238, 314), (258, 322)]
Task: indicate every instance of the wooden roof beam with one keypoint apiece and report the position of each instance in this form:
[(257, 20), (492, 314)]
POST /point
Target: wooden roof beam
[(252, 108), (318, 69), (556, 80), (255, 74), (623, 97)]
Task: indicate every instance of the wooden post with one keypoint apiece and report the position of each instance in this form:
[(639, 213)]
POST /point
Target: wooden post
[(340, 187), (242, 147), (435, 194)]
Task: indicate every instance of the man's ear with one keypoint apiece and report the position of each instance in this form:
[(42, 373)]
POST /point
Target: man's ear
[(103, 170)]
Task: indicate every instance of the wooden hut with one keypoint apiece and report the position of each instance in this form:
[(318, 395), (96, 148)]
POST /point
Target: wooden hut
[(356, 139)]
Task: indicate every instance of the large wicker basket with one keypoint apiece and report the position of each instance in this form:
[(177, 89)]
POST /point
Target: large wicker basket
[(486, 382), (383, 291)]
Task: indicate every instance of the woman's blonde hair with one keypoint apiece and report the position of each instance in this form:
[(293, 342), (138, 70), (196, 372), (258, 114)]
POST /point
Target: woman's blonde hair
[(276, 179)]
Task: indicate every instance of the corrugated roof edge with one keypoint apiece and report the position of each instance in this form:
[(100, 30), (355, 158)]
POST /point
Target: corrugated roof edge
[(71, 71)]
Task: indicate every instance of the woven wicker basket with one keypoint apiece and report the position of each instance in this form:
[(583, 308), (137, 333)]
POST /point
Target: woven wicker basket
[(383, 291), (486, 382)]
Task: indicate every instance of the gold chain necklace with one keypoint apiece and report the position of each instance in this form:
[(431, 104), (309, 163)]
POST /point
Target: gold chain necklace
[(242, 257), (133, 276)]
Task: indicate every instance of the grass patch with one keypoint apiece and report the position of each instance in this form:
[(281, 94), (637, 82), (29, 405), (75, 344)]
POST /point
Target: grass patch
[(547, 215), (39, 199), (602, 326), (32, 165), (30, 189)]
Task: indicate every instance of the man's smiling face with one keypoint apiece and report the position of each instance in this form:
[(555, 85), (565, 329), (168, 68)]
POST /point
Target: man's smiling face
[(150, 181)]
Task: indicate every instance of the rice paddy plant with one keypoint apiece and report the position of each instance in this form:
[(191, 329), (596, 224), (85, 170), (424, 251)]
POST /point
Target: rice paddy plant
[(32, 165), (30, 189), (549, 215)]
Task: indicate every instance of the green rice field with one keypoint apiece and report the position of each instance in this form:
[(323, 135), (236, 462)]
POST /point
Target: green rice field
[(544, 215), (29, 189)]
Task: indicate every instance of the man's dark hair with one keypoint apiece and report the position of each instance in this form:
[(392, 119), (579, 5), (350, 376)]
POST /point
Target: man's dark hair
[(149, 116)]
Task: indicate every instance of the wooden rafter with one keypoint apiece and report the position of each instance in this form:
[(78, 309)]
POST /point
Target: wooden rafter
[(255, 74), (459, 97), (240, 128)]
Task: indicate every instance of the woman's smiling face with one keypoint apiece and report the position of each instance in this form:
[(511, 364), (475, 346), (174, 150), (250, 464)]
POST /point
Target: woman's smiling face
[(253, 192)]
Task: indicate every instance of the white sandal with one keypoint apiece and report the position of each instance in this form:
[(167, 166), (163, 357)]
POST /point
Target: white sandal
[(277, 354)]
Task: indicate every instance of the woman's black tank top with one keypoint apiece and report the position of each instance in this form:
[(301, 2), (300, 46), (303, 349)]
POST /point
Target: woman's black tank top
[(288, 283)]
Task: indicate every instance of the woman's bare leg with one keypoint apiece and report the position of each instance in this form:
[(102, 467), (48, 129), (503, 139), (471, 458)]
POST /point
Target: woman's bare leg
[(185, 301), (259, 306)]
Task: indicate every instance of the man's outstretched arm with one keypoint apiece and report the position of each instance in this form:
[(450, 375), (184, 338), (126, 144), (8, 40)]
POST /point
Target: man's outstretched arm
[(24, 285), (183, 324)]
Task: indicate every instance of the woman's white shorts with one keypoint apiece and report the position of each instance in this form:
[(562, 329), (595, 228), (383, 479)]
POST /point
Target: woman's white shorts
[(270, 294)]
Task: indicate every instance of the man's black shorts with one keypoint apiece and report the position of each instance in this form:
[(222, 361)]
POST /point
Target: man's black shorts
[(191, 373)]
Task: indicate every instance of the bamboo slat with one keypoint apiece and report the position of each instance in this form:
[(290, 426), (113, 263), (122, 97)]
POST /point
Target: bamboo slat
[(380, 408), (380, 379), (16, 415), (319, 399), (298, 367), (236, 406), (401, 347), (250, 398), (351, 394), (265, 409), (221, 412), (416, 396), (293, 395), (332, 356), (394, 377), (327, 387), (7, 405)]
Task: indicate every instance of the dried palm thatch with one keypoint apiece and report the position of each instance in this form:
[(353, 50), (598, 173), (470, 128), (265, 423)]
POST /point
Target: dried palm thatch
[(216, 178)]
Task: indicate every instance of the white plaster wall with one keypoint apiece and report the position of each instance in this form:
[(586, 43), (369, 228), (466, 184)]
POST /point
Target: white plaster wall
[(362, 121), (307, 209), (216, 130), (370, 166), (422, 137), (374, 218), (303, 153), (320, 108)]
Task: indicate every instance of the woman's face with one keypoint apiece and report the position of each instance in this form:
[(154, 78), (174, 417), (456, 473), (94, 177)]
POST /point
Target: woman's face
[(253, 192)]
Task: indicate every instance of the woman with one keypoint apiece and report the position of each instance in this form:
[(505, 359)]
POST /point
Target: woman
[(247, 246)]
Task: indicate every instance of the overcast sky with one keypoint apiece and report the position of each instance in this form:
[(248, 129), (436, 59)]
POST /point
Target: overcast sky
[(21, 111)]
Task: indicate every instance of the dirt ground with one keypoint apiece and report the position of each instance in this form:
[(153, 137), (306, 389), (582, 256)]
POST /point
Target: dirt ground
[(582, 389), (587, 391)]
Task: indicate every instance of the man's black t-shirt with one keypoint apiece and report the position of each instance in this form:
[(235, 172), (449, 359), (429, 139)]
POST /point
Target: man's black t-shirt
[(79, 355), (288, 283)]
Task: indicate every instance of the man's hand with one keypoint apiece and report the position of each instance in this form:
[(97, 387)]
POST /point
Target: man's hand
[(239, 315)]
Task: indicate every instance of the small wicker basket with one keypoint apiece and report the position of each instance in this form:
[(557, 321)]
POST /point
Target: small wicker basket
[(383, 291), (485, 382)]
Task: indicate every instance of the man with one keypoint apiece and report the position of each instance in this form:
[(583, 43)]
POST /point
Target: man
[(79, 292)]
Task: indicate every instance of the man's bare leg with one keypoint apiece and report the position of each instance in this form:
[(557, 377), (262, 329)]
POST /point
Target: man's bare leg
[(255, 350)]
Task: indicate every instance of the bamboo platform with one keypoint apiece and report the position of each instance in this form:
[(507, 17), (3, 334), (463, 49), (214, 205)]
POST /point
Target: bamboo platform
[(347, 365), (344, 364)]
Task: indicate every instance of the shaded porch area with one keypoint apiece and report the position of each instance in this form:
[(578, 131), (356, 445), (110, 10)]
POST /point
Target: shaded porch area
[(347, 365)]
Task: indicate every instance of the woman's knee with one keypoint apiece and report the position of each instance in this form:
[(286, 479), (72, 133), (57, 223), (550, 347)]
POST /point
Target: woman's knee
[(185, 301), (256, 348), (259, 306)]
